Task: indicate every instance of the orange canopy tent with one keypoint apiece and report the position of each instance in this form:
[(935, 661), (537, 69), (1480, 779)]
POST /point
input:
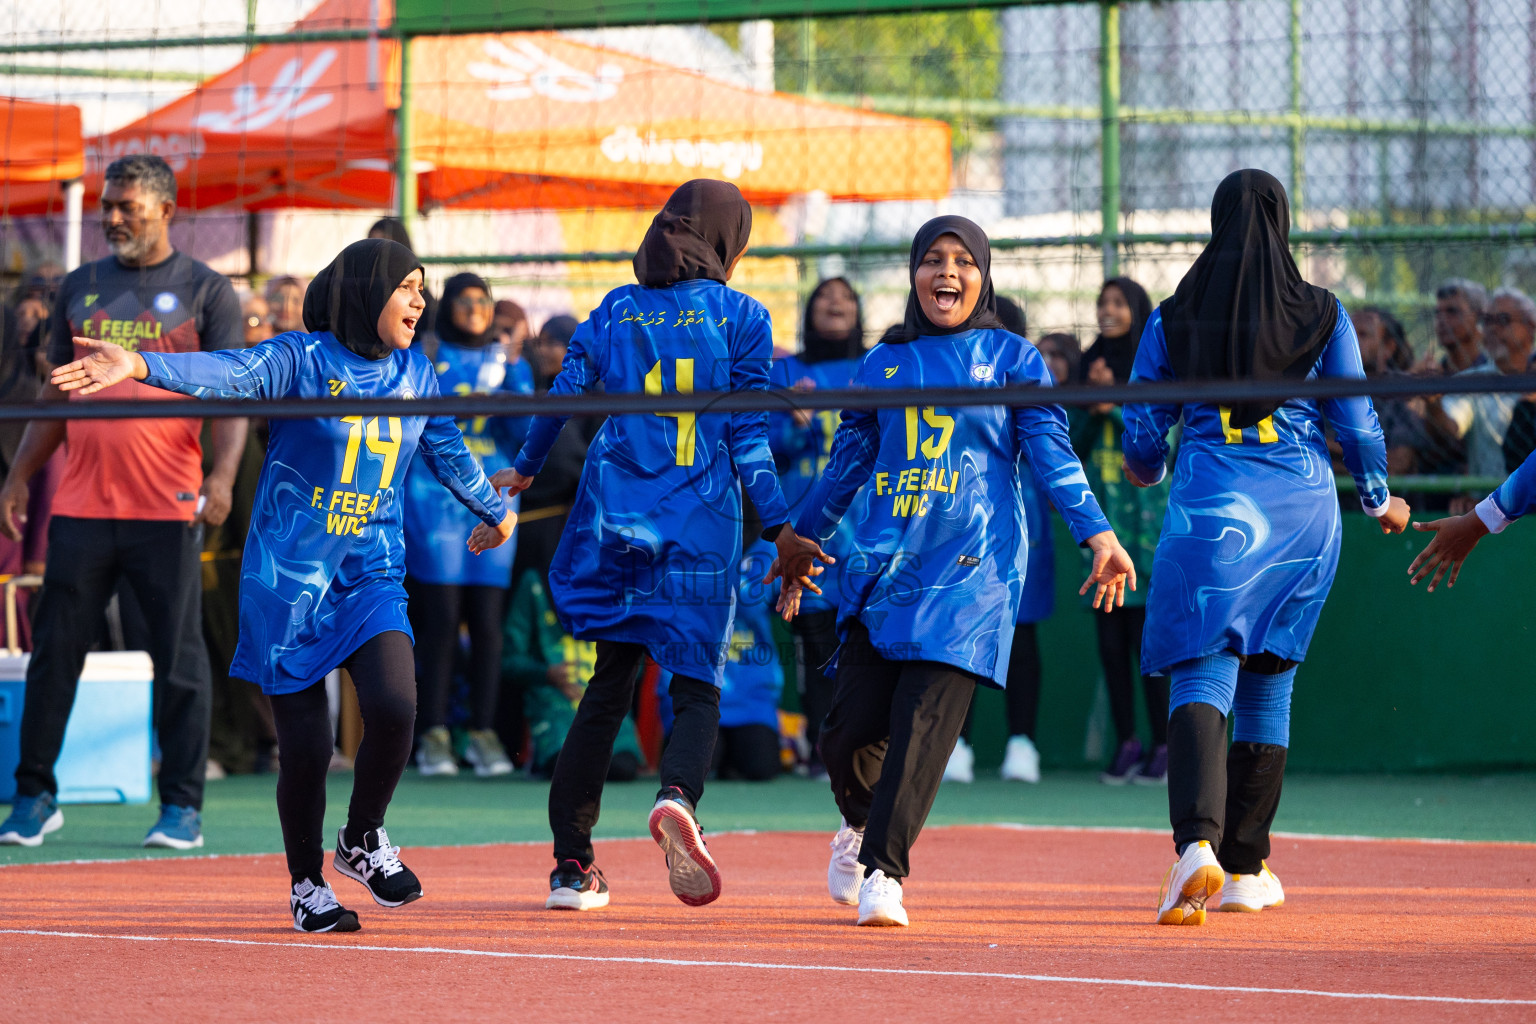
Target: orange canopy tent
[(509, 120), (41, 164), (42, 141)]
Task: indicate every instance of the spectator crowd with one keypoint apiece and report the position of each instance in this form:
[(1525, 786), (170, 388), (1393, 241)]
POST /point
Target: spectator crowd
[(154, 554)]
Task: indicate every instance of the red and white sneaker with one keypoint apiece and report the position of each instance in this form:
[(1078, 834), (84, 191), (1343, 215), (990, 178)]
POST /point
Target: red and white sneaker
[(691, 870)]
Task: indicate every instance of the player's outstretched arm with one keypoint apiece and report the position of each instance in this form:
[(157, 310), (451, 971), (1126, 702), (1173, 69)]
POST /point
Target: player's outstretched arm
[(1112, 571), (1453, 541), (103, 365)]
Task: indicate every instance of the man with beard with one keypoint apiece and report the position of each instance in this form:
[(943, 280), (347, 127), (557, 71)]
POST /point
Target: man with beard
[(131, 506)]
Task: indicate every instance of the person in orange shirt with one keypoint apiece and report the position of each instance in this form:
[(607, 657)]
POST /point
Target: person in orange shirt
[(131, 505)]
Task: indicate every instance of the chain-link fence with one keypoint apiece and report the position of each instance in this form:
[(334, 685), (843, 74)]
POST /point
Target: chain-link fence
[(1404, 130)]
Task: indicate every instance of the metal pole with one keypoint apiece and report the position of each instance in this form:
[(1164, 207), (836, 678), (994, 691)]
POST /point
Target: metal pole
[(1298, 131), (74, 222), (405, 142), (1109, 133)]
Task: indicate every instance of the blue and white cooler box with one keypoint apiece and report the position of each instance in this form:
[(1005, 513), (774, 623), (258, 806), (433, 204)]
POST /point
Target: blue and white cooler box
[(107, 744)]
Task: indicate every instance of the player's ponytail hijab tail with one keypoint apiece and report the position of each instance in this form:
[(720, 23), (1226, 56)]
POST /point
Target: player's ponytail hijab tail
[(697, 235), (347, 297), (915, 324), (1243, 311)]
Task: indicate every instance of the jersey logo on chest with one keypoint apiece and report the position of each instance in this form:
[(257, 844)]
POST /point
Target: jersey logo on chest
[(336, 386)]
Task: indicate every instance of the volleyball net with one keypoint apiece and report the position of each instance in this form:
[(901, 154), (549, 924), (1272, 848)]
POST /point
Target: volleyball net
[(531, 142)]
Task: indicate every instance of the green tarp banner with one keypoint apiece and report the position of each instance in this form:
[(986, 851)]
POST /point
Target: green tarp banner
[(419, 17)]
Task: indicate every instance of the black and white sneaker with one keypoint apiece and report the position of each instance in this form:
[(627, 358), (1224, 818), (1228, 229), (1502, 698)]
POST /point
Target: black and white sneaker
[(315, 909), (571, 888), (377, 865)]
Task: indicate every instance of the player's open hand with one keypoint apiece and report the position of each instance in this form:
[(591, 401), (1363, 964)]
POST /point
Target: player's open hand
[(1112, 571), (485, 536), (1395, 519), (1453, 541), (103, 365), (13, 508), (796, 561), (510, 480), (788, 605)]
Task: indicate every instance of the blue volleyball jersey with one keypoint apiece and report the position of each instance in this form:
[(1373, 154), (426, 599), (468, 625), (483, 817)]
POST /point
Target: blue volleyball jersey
[(1250, 541), (436, 524), (1514, 497), (801, 454), (649, 553), (1039, 598), (324, 559), (754, 676), (940, 555)]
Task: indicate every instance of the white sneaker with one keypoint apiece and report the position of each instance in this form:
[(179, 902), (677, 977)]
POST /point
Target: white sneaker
[(1193, 879), (880, 901), (844, 871), (1021, 762), (962, 763), (1249, 894)]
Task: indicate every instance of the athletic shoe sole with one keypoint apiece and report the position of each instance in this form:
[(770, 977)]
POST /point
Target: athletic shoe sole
[(575, 899), (163, 841), (433, 770), (340, 864), (691, 870), (347, 922), (884, 917), (53, 824), (1203, 883), (493, 771)]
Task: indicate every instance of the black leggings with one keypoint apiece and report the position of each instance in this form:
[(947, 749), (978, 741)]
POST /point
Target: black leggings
[(386, 694), (885, 742), (748, 752), (817, 632), (436, 611), (1120, 654), (576, 790), (1023, 693)]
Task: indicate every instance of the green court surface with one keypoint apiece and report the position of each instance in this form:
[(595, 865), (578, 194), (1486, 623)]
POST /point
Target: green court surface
[(240, 815)]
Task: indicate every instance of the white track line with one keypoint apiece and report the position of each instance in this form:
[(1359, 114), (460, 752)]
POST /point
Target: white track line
[(755, 965)]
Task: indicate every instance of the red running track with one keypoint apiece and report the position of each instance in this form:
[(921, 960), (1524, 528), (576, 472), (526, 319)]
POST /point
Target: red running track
[(1007, 924)]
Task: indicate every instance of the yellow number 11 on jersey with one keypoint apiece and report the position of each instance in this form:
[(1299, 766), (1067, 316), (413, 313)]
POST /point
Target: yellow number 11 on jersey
[(390, 449), (682, 376)]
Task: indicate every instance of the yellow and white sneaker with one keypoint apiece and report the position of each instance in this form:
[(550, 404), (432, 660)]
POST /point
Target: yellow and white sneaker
[(1249, 894), (1194, 878)]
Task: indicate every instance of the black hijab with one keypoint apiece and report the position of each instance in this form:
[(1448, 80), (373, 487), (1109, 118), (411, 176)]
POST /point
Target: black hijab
[(1243, 312), (697, 235), (819, 348), (449, 331), (915, 324), (1119, 354), (347, 297)]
